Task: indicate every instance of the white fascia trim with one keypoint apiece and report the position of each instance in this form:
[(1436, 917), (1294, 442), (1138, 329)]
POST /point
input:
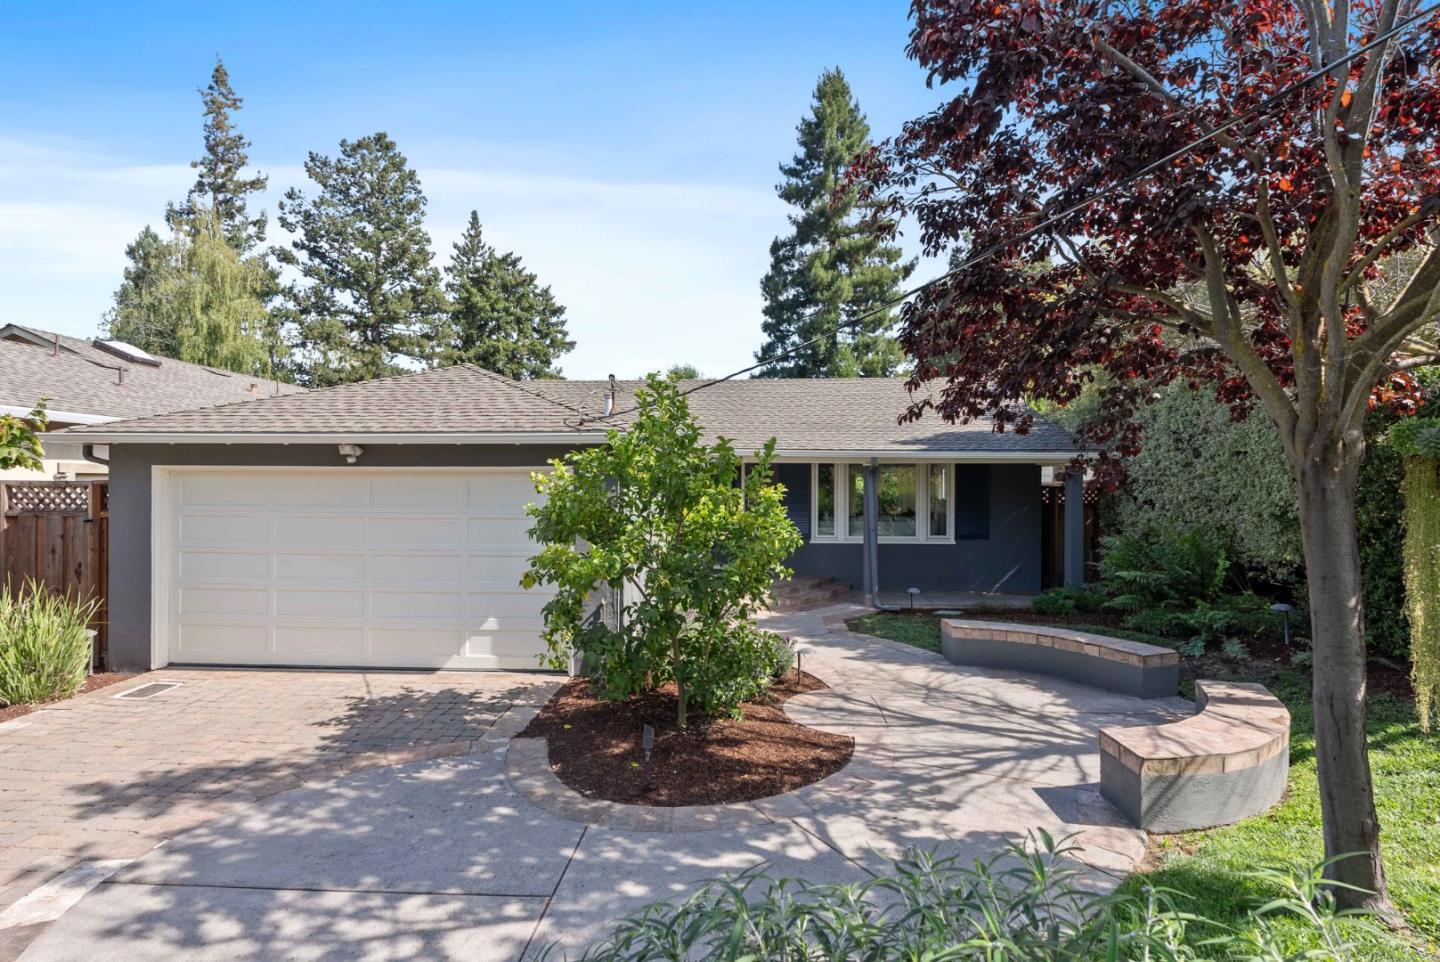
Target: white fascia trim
[(952, 457), (144, 437), (69, 417)]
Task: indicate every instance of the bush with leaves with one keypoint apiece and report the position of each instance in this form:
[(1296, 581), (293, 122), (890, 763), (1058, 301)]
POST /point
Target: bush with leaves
[(1068, 600), (666, 518), (1023, 905), (1163, 568), (44, 644), (19, 446)]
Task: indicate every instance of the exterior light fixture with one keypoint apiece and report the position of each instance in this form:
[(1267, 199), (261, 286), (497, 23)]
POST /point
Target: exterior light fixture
[(647, 740), (913, 593), (1283, 610), (351, 452)]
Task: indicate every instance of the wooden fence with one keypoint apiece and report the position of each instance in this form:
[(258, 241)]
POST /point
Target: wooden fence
[(57, 532)]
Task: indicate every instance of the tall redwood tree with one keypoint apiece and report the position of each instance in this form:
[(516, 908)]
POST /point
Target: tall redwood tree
[(1291, 264)]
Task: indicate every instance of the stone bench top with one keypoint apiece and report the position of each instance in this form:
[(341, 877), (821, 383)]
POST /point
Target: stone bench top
[(1238, 725), (1064, 639)]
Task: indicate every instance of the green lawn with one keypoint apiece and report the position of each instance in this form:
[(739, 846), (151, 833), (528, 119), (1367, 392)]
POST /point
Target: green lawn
[(1210, 866)]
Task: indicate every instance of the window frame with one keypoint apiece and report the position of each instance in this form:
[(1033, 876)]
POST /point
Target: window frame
[(842, 473)]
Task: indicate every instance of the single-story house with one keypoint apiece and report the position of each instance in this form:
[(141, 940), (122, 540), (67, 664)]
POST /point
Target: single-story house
[(87, 382), (383, 523)]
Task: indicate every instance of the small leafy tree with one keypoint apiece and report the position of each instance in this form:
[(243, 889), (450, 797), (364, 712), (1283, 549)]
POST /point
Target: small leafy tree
[(667, 518), (19, 447)]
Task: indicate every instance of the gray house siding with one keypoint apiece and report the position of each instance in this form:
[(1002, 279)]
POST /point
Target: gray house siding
[(130, 521), (997, 545)]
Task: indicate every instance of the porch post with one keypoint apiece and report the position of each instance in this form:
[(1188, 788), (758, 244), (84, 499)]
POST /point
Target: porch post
[(1074, 528), (872, 586)]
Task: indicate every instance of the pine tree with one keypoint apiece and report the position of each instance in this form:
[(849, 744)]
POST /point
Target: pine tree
[(221, 185), (500, 316), (195, 298), (828, 271), (368, 303)]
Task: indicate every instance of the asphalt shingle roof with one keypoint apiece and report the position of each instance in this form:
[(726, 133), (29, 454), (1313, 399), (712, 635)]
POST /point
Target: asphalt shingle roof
[(454, 400), (803, 415), (819, 414), (83, 379)]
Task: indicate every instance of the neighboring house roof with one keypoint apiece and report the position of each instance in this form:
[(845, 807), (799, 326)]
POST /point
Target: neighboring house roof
[(92, 380), (841, 417)]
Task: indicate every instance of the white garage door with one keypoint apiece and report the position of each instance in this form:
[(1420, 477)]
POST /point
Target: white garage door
[(406, 569)]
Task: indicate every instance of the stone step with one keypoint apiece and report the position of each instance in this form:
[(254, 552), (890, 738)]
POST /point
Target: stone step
[(801, 593)]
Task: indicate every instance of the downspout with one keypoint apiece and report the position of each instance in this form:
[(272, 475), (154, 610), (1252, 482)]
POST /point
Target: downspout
[(872, 540), (87, 451)]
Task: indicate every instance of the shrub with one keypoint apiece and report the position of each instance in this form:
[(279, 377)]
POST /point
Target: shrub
[(44, 644), (1023, 905), (1198, 467), (1209, 622), (1069, 599), (1162, 568)]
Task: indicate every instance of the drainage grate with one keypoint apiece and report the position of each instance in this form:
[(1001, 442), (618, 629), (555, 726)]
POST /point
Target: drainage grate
[(148, 691)]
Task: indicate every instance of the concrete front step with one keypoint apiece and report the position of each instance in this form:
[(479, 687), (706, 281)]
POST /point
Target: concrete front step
[(802, 593)]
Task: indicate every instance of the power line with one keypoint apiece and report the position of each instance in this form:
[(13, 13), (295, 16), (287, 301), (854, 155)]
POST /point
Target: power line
[(1249, 113)]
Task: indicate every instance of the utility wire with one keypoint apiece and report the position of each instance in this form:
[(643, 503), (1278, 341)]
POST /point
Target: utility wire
[(1249, 113)]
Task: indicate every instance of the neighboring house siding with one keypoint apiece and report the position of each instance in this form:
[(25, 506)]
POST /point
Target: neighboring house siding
[(130, 520), (997, 546)]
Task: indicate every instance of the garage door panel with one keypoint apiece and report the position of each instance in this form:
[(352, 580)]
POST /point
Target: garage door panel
[(506, 604), (319, 645), (501, 532), (515, 489), (415, 605), (224, 565), (224, 601), (295, 566), (417, 532), (320, 602), (319, 531), (417, 493), (223, 530), (314, 491), (367, 569), (202, 642), (421, 647), (201, 490), (419, 567)]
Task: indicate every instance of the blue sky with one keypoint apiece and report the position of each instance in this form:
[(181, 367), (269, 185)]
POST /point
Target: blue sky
[(626, 150)]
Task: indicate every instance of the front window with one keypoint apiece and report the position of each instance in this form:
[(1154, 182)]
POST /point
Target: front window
[(896, 498), (825, 501), (939, 501), (913, 502)]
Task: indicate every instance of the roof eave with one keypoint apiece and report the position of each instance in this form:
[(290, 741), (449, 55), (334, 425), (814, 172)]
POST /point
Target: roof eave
[(1055, 457), (328, 437)]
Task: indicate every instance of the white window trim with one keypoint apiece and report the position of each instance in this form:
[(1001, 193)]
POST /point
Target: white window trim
[(843, 534)]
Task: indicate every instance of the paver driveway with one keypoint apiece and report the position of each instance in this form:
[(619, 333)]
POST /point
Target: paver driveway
[(101, 777), (445, 859)]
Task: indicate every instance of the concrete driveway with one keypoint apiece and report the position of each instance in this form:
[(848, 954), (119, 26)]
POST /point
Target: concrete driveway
[(444, 858)]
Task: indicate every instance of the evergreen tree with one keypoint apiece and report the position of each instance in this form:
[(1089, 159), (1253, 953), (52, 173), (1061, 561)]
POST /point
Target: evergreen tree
[(500, 316), (195, 298), (139, 316), (368, 303), (684, 372), (828, 271), (220, 184)]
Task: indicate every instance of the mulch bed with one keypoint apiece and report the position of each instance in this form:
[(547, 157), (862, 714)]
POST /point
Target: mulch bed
[(96, 681), (595, 747)]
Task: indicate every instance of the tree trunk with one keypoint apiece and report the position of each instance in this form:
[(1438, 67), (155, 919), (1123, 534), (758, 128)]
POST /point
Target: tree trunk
[(1337, 624), (681, 719)]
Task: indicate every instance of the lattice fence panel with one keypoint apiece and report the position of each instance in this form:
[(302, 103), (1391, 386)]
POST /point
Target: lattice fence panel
[(47, 498)]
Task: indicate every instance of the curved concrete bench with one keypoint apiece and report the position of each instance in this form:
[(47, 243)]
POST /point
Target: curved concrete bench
[(1129, 667), (1228, 761)]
